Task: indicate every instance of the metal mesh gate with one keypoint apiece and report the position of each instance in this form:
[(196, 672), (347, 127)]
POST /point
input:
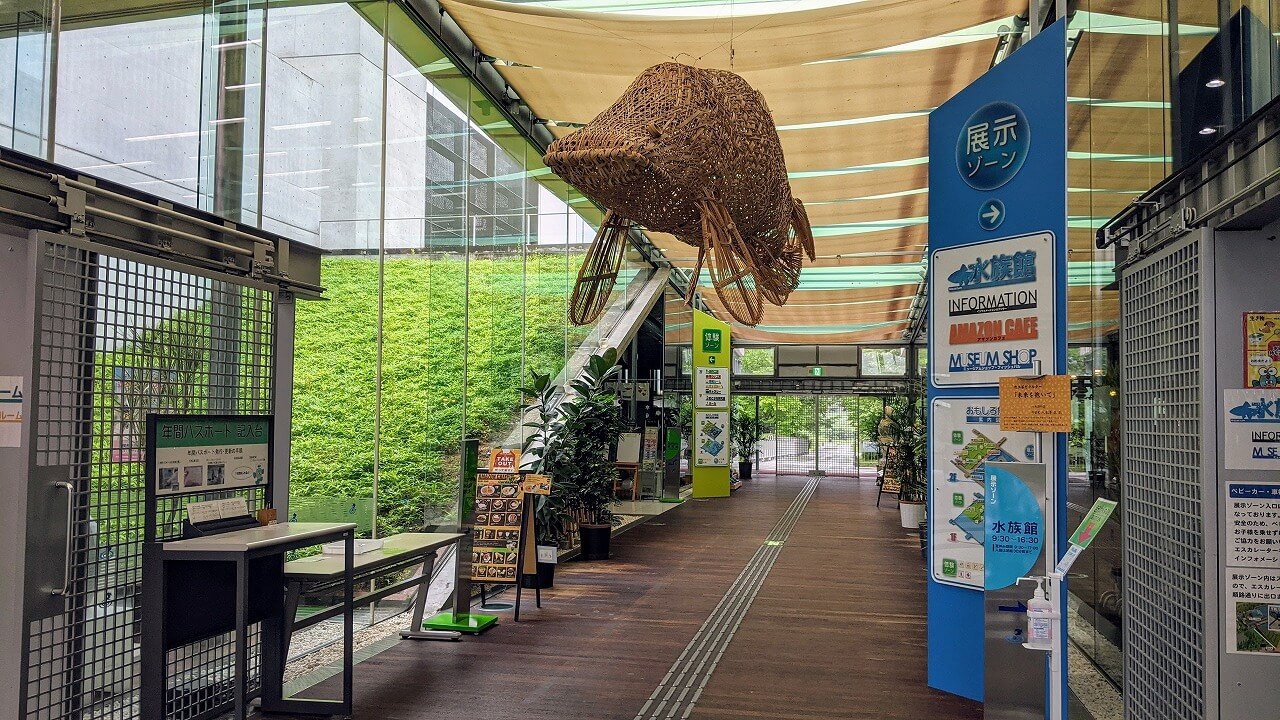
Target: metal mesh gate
[(121, 336), (1164, 541), (812, 435)]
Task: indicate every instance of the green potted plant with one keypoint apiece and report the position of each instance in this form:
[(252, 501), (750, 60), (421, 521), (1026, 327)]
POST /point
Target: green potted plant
[(572, 433), (745, 433), (904, 440)]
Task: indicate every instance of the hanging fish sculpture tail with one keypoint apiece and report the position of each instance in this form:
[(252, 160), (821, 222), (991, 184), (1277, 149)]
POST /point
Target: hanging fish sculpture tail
[(693, 153)]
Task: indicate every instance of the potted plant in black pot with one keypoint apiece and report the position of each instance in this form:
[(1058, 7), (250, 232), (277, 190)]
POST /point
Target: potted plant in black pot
[(745, 433), (572, 432)]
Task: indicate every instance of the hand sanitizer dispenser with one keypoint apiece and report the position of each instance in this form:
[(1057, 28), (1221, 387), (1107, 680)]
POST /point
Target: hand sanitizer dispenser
[(1040, 619)]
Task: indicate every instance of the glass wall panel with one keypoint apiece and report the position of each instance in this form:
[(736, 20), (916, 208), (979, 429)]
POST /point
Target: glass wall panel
[(1121, 141), (25, 83), (322, 185), (133, 90)]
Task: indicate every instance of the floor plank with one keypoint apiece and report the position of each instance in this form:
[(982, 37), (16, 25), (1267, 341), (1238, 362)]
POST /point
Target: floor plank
[(837, 630)]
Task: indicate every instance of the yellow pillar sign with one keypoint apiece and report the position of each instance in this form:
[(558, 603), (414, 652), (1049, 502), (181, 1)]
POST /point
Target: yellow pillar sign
[(1040, 404), (710, 432)]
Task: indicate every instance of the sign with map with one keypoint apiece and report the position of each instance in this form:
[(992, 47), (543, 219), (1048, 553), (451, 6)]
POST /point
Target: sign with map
[(965, 436)]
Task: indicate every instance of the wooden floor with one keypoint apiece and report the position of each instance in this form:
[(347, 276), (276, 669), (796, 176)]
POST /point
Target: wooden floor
[(837, 630)]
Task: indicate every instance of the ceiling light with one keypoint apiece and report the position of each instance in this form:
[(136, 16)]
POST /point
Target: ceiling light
[(1215, 83), (1208, 130)]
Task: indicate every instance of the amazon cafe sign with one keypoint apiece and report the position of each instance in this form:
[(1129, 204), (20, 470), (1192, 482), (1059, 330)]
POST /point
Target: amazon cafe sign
[(993, 310)]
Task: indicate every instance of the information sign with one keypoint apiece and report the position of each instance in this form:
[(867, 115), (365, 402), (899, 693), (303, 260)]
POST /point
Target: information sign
[(199, 453), (499, 519), (1041, 404), (993, 310), (1015, 505), (1252, 429), (10, 410), (1252, 568), (712, 438), (965, 436), (1262, 349), (1093, 522), (712, 388)]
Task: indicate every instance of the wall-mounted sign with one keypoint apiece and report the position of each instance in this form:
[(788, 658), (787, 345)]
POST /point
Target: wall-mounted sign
[(712, 438), (1251, 570), (1041, 404), (504, 460), (992, 310), (199, 453), (712, 341), (1015, 521), (711, 388), (1252, 429), (10, 410), (499, 519), (1262, 349), (965, 435)]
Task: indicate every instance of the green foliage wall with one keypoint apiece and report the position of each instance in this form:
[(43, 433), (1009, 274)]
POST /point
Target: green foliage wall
[(515, 318)]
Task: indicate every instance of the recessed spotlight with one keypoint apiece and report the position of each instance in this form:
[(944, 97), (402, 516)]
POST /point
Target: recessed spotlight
[(1216, 83), (1208, 130)]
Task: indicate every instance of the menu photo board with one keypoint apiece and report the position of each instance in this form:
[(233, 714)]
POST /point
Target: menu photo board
[(499, 520), (207, 453)]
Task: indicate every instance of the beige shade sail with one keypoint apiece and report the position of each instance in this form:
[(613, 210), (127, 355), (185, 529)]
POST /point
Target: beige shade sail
[(822, 92), (845, 146), (623, 44), (1118, 130), (845, 186)]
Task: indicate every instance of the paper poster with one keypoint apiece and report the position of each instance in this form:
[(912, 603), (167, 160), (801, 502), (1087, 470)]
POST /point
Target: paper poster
[(1015, 528), (499, 519), (1251, 556), (992, 310), (1041, 404), (712, 388), (536, 484), (1251, 429), (503, 460), (712, 438), (11, 392), (964, 436), (1262, 349), (206, 454)]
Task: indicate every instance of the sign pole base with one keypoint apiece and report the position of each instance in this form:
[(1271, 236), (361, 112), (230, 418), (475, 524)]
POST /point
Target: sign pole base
[(470, 624)]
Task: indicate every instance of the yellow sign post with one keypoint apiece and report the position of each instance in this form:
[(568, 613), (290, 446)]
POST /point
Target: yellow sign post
[(710, 432), (1040, 404)]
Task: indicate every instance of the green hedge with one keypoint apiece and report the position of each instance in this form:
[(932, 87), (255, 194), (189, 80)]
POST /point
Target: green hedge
[(422, 371)]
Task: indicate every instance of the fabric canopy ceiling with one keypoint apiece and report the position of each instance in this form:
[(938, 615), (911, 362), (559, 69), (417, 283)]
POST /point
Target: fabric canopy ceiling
[(850, 86)]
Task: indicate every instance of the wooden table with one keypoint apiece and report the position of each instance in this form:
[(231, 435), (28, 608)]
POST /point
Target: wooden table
[(398, 552)]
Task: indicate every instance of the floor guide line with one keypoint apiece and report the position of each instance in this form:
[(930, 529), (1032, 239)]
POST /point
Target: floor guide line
[(681, 687)]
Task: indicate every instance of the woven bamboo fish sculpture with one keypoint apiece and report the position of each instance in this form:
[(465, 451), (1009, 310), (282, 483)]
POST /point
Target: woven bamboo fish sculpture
[(694, 153)]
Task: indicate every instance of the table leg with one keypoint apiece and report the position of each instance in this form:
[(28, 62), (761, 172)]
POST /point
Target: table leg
[(241, 660), (348, 621), (293, 595), (415, 631)]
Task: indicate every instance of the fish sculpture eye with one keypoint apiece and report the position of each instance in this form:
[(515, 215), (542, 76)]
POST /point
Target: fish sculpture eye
[(695, 153)]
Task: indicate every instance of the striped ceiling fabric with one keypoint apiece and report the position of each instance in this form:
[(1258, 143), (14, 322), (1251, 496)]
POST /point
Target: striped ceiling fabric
[(850, 85)]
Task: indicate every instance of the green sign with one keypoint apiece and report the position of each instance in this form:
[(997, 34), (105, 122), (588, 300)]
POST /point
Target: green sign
[(957, 499), (816, 371), (957, 437), (949, 567), (711, 340), (1093, 522)]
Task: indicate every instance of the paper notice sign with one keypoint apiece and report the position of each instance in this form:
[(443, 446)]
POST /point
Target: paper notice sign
[(1035, 404)]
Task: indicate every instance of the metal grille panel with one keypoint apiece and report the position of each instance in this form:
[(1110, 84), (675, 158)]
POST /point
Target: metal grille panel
[(1164, 533), (120, 338)]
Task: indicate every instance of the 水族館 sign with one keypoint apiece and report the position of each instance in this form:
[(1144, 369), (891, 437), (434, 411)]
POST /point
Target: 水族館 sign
[(993, 310)]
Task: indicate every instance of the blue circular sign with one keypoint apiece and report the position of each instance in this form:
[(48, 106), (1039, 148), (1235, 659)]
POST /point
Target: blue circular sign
[(993, 145), (991, 214)]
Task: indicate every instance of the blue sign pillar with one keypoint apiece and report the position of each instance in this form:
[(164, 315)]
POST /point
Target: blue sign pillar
[(998, 268)]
